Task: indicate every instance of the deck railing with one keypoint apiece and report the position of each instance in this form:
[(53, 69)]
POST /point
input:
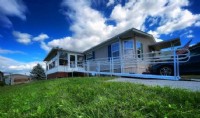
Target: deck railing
[(138, 64), (132, 65)]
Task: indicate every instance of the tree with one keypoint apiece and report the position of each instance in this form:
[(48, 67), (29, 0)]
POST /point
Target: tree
[(38, 73)]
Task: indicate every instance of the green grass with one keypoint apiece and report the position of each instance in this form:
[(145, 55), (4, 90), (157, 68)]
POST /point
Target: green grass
[(93, 97)]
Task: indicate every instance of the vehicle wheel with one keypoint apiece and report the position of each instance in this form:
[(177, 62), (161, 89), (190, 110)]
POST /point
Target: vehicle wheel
[(166, 70)]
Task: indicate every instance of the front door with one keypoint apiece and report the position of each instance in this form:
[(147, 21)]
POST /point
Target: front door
[(72, 61)]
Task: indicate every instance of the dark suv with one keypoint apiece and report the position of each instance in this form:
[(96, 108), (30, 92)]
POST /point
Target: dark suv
[(190, 67)]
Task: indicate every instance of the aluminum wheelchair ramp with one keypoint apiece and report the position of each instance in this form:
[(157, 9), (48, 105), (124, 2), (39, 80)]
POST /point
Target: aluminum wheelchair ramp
[(139, 65)]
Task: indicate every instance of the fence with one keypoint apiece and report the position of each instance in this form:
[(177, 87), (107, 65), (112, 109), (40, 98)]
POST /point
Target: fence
[(159, 64)]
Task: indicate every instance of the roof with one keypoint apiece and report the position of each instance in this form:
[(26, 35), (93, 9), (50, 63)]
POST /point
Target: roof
[(124, 35), (54, 51), (165, 44)]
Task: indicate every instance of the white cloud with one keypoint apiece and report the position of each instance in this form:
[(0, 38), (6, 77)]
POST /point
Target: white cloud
[(44, 46), (26, 38), (187, 34), (154, 33), (23, 38), (4, 51), (41, 37), (13, 66), (184, 20), (197, 24), (11, 8), (90, 25), (110, 2), (190, 36), (158, 40)]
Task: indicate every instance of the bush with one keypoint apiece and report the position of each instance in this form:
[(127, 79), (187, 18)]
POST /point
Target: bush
[(2, 83)]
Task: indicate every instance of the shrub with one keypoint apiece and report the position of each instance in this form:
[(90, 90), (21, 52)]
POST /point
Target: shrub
[(2, 83)]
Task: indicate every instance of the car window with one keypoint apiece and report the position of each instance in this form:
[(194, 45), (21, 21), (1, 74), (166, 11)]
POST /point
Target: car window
[(195, 51)]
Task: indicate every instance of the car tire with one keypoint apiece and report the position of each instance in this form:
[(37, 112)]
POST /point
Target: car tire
[(166, 71)]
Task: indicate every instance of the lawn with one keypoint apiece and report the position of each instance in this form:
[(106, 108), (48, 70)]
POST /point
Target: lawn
[(96, 98)]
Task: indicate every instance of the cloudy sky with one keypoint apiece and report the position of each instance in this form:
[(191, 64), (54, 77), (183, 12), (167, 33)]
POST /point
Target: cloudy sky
[(30, 28)]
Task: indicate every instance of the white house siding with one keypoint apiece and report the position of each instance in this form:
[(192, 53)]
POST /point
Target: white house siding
[(141, 65), (62, 68), (129, 65), (101, 52)]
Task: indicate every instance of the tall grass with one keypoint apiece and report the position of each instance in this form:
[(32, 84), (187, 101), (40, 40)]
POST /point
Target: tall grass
[(93, 97)]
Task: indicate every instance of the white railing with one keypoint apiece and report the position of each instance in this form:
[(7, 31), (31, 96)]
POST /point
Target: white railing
[(64, 69), (132, 65)]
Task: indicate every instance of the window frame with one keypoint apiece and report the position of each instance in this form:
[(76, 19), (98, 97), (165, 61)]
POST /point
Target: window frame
[(125, 48), (63, 59), (80, 62), (141, 50), (113, 50)]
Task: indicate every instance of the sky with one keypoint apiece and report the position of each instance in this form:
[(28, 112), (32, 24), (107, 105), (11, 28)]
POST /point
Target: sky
[(30, 28)]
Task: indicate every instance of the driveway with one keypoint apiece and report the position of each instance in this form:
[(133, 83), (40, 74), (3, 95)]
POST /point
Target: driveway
[(190, 85)]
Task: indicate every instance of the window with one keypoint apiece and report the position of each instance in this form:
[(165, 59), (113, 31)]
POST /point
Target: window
[(89, 56), (80, 61), (52, 65), (128, 46), (115, 49), (72, 61), (195, 51), (139, 48), (63, 58)]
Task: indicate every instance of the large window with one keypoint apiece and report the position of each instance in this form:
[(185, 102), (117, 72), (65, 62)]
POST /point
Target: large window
[(63, 58), (52, 65), (128, 47), (139, 48), (80, 61), (72, 61), (115, 49)]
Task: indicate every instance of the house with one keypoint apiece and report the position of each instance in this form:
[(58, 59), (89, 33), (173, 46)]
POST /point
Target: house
[(61, 63), (13, 79), (1, 76), (123, 53)]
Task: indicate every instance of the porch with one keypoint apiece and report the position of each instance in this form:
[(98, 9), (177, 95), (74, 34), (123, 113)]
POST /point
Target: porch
[(59, 60)]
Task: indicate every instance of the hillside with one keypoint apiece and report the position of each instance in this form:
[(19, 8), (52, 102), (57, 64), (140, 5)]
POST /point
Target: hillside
[(93, 97)]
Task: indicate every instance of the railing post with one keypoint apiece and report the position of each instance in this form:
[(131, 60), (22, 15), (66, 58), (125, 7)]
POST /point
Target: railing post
[(178, 72), (99, 67), (121, 60), (110, 65), (88, 68), (175, 65)]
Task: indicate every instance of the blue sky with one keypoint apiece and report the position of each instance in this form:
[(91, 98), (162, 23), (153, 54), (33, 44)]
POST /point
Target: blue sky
[(30, 28)]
